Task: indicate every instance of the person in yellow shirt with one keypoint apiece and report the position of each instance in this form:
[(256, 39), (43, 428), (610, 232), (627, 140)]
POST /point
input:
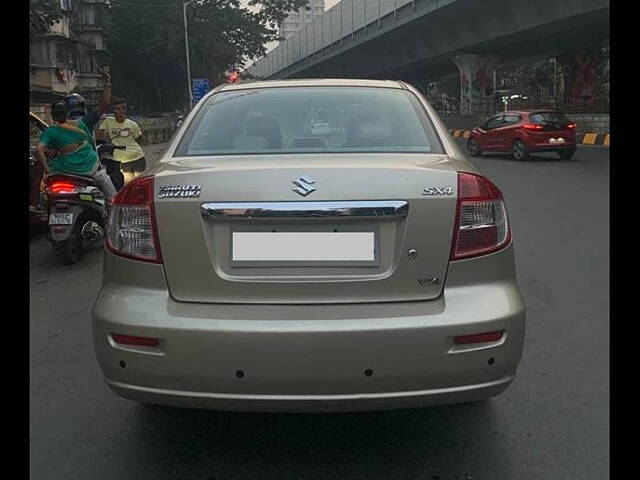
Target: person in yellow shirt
[(123, 131)]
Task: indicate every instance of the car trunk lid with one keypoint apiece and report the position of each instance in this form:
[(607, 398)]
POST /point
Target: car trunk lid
[(344, 229)]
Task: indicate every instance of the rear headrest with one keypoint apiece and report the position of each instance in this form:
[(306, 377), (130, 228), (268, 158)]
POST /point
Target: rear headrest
[(368, 131), (249, 143), (265, 127), (309, 142)]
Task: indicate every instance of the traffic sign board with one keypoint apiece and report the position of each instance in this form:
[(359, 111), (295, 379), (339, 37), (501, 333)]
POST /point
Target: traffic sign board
[(200, 87)]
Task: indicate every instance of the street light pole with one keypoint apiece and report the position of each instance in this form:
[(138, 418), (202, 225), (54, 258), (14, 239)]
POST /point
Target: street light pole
[(555, 79), (186, 44)]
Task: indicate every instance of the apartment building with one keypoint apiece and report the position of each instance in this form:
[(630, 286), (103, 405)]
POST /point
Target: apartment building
[(66, 59)]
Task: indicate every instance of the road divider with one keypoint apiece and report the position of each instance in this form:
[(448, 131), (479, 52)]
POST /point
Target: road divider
[(581, 138)]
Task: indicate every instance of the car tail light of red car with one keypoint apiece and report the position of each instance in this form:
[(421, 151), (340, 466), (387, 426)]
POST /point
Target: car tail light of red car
[(481, 224), (532, 126), (132, 230)]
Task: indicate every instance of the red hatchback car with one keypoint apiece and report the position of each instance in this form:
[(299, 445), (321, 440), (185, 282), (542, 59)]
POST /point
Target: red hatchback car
[(524, 132)]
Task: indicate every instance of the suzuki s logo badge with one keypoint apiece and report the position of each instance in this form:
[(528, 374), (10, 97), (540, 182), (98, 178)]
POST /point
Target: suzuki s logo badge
[(179, 191), (305, 185), (438, 191)]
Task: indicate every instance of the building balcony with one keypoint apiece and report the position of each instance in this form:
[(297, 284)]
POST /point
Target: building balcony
[(59, 29), (54, 80)]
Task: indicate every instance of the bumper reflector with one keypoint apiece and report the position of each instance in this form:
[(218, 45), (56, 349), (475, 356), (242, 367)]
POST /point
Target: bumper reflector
[(131, 340), (479, 338)]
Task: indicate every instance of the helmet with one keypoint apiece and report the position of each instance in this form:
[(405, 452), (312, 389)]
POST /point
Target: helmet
[(76, 105)]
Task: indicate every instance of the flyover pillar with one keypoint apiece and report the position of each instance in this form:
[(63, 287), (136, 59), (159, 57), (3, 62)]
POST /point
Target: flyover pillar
[(476, 82)]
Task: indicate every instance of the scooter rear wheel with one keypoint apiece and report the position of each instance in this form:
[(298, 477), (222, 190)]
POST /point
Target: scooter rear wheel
[(71, 248)]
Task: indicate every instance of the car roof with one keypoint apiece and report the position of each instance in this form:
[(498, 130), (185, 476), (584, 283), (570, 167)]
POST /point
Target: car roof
[(310, 82)]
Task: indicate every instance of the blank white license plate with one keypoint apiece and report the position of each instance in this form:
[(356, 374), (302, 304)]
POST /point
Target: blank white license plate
[(303, 246), (61, 219)]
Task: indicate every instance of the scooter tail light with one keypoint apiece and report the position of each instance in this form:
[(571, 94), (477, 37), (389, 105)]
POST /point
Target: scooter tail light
[(132, 230), (63, 187), (481, 224)]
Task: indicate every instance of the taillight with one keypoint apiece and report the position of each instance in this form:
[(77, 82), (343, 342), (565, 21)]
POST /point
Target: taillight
[(532, 126), (62, 187), (481, 225), (132, 231), (571, 126)]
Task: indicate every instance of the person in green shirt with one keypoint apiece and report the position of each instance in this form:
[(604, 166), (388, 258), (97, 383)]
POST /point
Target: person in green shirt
[(71, 138)]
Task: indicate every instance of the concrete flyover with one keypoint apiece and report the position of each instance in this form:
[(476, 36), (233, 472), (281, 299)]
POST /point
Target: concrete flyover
[(421, 39)]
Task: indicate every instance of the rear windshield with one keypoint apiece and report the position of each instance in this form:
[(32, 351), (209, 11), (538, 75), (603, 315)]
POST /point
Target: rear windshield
[(309, 120), (549, 117)]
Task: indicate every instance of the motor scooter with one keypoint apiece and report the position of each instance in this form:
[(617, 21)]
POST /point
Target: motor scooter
[(76, 208), (37, 214)]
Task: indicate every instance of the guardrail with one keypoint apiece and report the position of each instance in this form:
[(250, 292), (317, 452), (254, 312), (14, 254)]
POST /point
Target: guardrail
[(156, 130)]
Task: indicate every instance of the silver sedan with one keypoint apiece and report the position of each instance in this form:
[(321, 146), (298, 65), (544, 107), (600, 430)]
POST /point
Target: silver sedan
[(310, 245)]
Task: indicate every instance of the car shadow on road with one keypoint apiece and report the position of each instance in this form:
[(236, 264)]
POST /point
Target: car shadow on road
[(432, 443)]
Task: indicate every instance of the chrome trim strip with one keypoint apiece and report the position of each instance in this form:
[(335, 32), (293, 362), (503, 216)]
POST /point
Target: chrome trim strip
[(240, 210)]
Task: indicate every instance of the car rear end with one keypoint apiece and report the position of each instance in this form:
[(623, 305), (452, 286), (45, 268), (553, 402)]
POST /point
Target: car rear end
[(548, 131), (251, 274)]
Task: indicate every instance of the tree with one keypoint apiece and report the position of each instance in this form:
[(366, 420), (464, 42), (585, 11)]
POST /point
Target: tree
[(147, 42), (42, 15)]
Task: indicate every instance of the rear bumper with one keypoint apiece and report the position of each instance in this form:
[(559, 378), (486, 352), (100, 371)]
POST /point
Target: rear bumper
[(547, 147), (343, 357), (537, 144)]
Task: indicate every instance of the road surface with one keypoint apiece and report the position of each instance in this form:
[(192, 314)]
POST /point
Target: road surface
[(552, 423)]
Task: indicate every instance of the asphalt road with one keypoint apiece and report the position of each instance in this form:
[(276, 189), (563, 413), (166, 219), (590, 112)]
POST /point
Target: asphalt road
[(552, 422)]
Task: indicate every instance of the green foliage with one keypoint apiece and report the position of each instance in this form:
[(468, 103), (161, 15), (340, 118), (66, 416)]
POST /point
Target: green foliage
[(43, 14), (147, 42)]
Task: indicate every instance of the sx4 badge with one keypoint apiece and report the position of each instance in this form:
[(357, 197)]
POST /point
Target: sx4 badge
[(179, 191), (438, 191)]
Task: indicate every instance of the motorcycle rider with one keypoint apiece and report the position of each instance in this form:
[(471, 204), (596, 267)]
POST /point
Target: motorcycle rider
[(124, 132), (71, 137)]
